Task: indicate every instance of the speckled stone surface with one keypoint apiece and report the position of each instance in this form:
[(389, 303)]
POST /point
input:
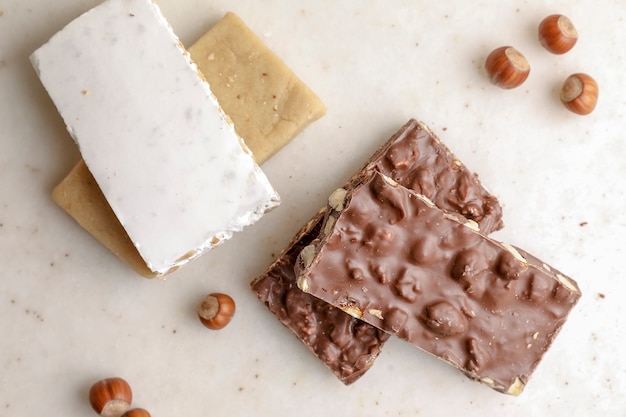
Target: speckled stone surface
[(72, 313)]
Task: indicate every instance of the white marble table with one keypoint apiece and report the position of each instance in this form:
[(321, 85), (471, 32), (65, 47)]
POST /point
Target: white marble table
[(71, 313)]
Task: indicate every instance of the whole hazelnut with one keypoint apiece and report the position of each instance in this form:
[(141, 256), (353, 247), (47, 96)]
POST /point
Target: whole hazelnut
[(507, 67), (557, 34), (110, 397), (579, 93), (216, 310), (137, 412)]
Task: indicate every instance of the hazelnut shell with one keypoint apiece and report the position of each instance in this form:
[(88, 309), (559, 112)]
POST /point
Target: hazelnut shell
[(579, 93), (110, 397), (557, 34), (216, 310), (506, 67), (137, 412)]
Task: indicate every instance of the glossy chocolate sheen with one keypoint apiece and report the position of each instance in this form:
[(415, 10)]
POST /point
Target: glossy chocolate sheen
[(416, 159), (394, 260), (412, 152), (347, 346)]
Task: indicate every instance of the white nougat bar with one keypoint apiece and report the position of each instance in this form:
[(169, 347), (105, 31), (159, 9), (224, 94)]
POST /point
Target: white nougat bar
[(229, 50), (152, 134)]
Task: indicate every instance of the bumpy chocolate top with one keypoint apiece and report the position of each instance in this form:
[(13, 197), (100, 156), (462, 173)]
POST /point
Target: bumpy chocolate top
[(415, 158), (347, 346), (397, 262)]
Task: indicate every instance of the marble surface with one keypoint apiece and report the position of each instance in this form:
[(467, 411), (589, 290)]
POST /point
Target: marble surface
[(71, 313)]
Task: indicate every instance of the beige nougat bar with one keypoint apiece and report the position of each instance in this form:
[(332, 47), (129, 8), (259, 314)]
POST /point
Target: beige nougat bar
[(265, 100), (79, 195)]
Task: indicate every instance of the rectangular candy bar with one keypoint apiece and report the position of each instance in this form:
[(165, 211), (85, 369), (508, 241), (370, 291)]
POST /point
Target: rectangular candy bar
[(268, 103), (347, 346), (390, 257), (151, 132), (344, 344), (228, 52)]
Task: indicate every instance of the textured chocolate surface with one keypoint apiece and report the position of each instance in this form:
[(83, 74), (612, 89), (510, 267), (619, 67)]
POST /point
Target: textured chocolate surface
[(415, 158), (411, 154), (393, 259), (347, 346)]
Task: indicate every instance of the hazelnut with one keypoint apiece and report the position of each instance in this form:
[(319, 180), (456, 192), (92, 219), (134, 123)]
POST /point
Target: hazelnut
[(216, 310), (507, 67), (110, 397), (137, 412), (557, 34), (580, 93)]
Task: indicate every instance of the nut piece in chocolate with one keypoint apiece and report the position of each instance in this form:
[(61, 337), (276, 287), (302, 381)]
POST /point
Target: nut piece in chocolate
[(396, 261)]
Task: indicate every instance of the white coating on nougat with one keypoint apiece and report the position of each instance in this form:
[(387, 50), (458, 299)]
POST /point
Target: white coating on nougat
[(151, 132)]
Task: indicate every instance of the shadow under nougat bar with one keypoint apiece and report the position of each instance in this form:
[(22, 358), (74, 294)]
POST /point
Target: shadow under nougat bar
[(266, 101), (388, 256), (346, 345)]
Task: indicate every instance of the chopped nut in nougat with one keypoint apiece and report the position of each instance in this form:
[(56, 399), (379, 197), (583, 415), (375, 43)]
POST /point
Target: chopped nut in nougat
[(393, 259)]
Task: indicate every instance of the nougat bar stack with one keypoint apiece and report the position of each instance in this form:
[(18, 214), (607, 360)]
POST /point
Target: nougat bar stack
[(165, 156), (267, 103), (390, 257), (415, 157)]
